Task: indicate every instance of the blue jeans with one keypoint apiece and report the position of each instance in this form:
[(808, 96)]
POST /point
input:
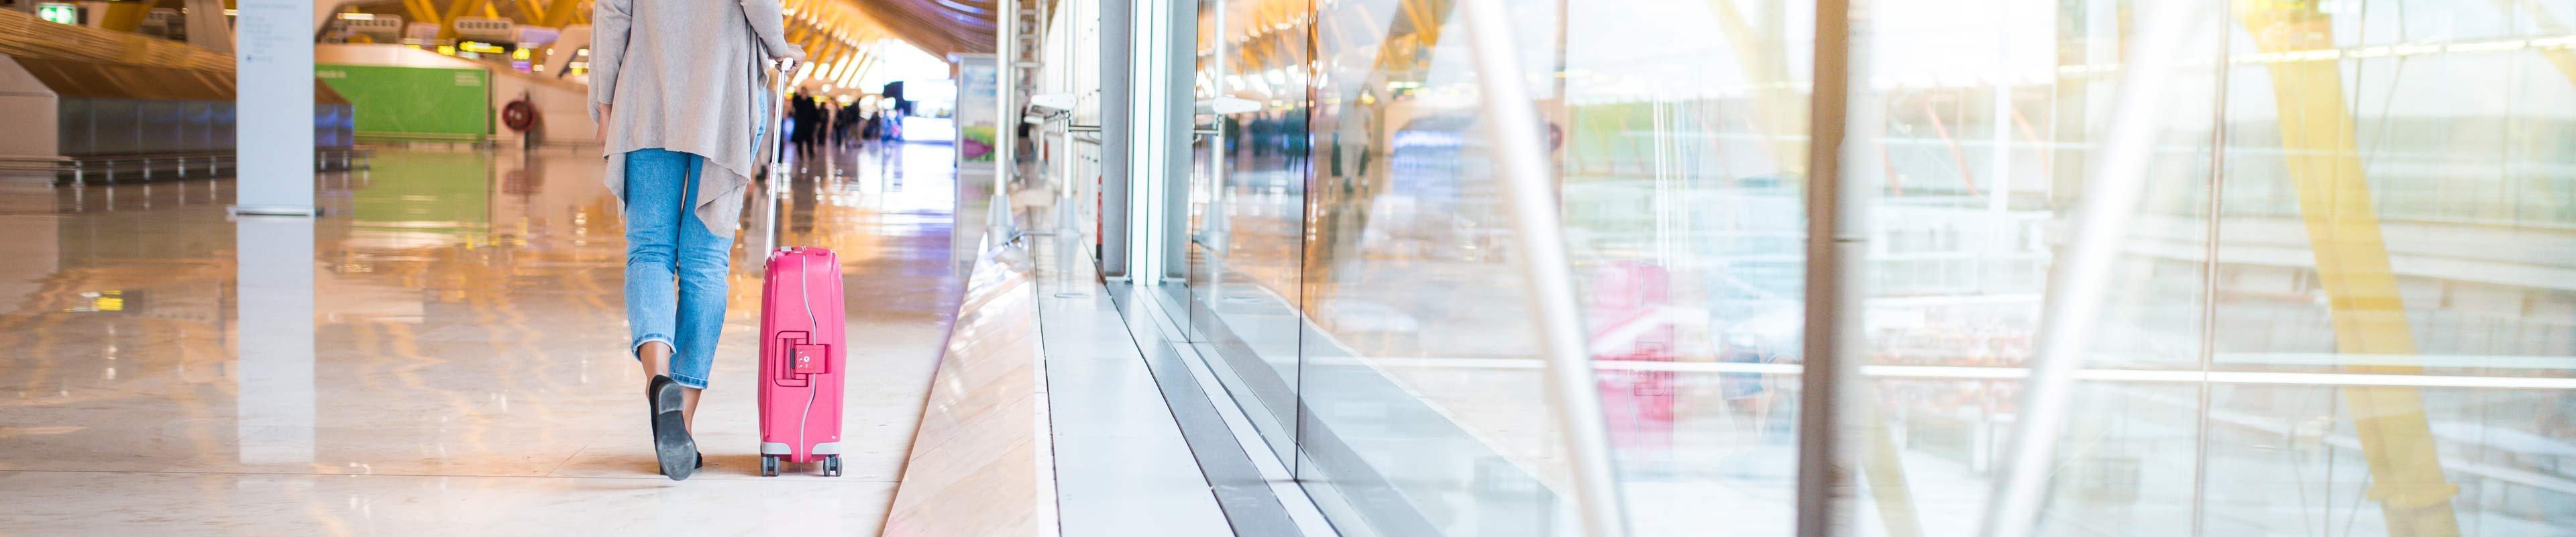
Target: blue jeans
[(669, 252)]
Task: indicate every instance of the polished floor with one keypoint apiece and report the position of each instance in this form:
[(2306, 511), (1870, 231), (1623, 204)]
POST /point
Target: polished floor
[(457, 367)]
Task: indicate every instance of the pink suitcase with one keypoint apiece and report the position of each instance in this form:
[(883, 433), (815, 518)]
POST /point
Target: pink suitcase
[(801, 360)]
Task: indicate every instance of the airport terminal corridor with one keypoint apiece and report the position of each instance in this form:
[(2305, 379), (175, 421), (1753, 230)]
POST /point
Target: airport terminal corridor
[(465, 370), (1292, 268)]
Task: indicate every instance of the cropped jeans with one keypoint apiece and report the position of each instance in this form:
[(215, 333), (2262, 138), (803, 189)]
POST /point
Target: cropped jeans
[(675, 266)]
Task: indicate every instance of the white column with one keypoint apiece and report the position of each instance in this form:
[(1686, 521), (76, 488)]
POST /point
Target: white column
[(274, 102), (274, 158), (1164, 60)]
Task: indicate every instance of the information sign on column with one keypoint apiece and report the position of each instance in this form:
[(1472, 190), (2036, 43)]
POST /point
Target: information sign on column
[(273, 53)]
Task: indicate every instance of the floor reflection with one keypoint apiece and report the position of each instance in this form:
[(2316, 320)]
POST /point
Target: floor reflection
[(452, 323), (274, 271)]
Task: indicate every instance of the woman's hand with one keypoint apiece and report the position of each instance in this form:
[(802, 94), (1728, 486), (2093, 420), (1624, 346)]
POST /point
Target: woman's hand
[(789, 61), (599, 134)]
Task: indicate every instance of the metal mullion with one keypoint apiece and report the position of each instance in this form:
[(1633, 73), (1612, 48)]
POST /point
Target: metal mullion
[(1117, 30), (1836, 242), (1530, 189), (2082, 276), (2209, 279)]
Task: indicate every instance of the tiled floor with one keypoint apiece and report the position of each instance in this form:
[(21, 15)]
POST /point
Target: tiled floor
[(462, 369)]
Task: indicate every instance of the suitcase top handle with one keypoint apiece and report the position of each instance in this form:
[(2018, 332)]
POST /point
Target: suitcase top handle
[(799, 250)]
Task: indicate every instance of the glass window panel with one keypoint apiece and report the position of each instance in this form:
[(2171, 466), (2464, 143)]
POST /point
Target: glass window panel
[(1683, 156), (2353, 187), (1993, 117), (1420, 383), (2380, 219), (1249, 203)]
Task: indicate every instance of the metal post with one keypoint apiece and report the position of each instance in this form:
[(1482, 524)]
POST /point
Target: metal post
[(777, 180), (1007, 97), (2208, 344), (1117, 131), (2083, 270), (1178, 131), (1217, 216), (1837, 243), (1528, 183), (1064, 209)]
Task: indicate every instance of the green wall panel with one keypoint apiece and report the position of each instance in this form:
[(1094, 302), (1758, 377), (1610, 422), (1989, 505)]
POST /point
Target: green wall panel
[(414, 101)]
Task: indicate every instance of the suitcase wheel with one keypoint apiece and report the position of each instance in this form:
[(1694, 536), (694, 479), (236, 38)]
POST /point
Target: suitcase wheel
[(831, 466), (769, 466)]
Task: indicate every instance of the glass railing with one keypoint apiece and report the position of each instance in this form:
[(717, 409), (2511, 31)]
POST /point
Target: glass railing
[(2343, 306)]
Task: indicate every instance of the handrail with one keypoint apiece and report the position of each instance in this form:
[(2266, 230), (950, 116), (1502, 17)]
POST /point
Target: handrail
[(81, 166), (1528, 185), (36, 162)]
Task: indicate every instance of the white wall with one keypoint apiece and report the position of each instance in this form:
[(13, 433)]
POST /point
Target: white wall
[(27, 102), (560, 112)]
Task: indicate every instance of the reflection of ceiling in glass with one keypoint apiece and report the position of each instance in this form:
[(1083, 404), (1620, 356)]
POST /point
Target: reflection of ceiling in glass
[(940, 27)]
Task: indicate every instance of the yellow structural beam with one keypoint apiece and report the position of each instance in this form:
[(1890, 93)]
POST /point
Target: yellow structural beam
[(1779, 109), (530, 11), (1418, 13), (559, 13), (568, 14), (812, 42), (423, 11), (836, 52), (1885, 472), (2369, 317), (2549, 24), (456, 9), (122, 16)]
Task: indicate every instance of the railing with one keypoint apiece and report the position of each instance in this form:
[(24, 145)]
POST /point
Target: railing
[(156, 166), (44, 163)]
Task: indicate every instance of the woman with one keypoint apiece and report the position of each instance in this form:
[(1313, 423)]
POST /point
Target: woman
[(675, 86)]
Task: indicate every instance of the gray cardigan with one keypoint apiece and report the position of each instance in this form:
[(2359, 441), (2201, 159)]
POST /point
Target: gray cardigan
[(686, 75)]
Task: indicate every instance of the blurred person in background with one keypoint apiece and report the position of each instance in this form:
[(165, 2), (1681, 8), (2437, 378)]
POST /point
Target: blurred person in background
[(845, 125), (801, 109), (831, 122), (676, 87), (871, 128)]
